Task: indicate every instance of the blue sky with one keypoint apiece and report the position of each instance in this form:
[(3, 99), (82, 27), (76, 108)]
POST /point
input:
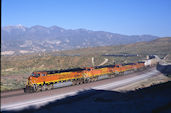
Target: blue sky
[(130, 17)]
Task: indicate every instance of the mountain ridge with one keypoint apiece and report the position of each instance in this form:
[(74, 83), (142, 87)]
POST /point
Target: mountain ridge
[(158, 46), (44, 39)]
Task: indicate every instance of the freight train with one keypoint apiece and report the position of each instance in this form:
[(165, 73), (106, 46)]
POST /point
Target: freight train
[(45, 80)]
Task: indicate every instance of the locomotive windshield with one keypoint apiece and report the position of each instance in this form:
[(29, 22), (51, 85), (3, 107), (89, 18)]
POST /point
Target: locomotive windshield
[(35, 75)]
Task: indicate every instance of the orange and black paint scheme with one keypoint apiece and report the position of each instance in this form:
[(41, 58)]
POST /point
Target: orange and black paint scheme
[(45, 80)]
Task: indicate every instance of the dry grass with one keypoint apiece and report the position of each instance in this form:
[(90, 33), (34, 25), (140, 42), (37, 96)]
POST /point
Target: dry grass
[(16, 69)]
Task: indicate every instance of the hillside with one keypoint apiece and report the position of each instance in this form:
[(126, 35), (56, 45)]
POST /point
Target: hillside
[(16, 69), (159, 46), (23, 40)]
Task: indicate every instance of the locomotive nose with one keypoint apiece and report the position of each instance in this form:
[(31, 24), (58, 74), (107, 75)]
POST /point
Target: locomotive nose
[(30, 78)]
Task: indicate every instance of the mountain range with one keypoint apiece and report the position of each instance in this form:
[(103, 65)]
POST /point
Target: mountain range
[(20, 39)]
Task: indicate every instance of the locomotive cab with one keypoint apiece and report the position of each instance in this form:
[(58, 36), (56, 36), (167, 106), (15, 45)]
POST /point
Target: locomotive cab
[(35, 75), (34, 80)]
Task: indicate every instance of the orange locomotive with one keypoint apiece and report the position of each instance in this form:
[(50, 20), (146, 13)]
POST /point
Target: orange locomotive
[(43, 80)]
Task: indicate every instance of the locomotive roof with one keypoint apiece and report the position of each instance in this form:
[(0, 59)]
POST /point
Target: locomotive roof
[(141, 62), (59, 71), (104, 66), (81, 69), (128, 64)]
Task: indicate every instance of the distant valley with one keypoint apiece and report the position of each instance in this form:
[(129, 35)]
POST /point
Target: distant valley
[(23, 40)]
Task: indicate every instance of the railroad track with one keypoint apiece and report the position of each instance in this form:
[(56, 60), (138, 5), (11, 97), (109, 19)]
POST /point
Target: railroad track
[(19, 92), (12, 93), (41, 98)]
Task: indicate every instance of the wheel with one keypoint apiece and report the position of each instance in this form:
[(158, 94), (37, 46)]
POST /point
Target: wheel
[(73, 83), (116, 72), (38, 88), (44, 87), (112, 76), (34, 87)]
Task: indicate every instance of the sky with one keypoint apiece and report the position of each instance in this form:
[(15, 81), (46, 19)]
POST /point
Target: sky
[(129, 17)]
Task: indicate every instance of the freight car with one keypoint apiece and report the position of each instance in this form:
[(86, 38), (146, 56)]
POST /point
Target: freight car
[(45, 80)]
